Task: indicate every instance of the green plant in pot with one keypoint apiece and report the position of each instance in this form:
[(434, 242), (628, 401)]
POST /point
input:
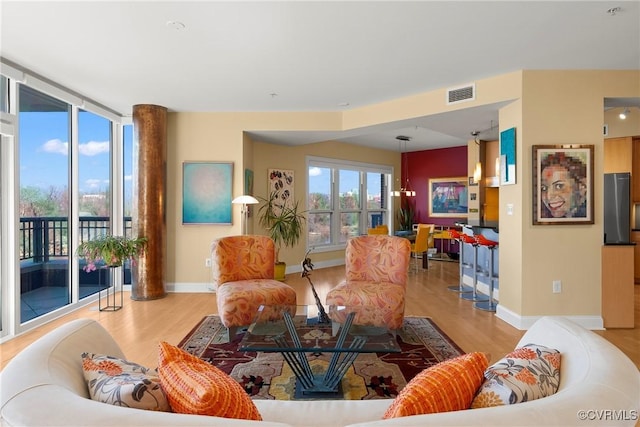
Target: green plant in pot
[(284, 223), (406, 215), (113, 251)]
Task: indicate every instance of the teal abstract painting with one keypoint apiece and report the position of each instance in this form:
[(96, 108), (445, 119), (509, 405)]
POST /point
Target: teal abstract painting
[(206, 192)]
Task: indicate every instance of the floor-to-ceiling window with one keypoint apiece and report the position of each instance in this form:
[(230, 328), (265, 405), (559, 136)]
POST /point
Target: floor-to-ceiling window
[(44, 125), (57, 161), (4, 111), (344, 199), (127, 190), (94, 190)]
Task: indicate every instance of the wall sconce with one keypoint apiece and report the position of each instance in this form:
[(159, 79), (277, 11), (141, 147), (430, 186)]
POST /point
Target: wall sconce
[(477, 172)]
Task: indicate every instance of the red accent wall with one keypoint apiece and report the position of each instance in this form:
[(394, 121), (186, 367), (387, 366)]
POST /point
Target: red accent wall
[(424, 165)]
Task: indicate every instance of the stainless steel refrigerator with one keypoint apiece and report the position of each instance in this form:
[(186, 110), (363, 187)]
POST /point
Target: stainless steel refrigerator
[(617, 208)]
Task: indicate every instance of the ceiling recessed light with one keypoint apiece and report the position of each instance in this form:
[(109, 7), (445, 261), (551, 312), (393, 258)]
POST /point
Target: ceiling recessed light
[(176, 25), (623, 115)]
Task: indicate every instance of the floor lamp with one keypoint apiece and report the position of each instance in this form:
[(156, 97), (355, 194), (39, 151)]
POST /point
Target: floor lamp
[(244, 200)]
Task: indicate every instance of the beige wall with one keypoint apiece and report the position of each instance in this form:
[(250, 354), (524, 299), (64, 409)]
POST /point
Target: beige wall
[(546, 107), (556, 108)]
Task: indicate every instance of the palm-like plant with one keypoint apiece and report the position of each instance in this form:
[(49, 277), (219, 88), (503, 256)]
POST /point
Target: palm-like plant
[(283, 222), (406, 215), (112, 250)]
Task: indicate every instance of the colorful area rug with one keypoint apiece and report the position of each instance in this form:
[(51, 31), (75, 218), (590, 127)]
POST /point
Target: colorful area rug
[(372, 376)]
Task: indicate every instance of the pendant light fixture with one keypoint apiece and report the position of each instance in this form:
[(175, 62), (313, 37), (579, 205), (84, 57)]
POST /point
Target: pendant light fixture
[(477, 171), (405, 190)]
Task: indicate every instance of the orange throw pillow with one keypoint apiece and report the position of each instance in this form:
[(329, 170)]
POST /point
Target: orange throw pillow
[(447, 386), (193, 386)]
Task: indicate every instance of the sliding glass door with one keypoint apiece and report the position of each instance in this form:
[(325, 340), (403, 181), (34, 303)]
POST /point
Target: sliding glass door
[(94, 191), (44, 125)]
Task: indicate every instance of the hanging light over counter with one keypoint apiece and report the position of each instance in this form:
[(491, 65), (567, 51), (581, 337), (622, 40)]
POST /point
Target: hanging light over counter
[(406, 189)]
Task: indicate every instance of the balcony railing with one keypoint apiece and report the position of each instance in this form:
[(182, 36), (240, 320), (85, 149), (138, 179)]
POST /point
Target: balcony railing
[(41, 238)]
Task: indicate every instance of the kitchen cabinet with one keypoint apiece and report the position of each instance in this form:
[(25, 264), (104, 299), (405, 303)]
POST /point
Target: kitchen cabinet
[(618, 154), (617, 286)]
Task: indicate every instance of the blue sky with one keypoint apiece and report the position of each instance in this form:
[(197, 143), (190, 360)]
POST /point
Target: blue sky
[(319, 181), (44, 151)]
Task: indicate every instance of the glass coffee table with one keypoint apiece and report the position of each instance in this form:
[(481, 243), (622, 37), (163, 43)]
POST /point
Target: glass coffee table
[(294, 331)]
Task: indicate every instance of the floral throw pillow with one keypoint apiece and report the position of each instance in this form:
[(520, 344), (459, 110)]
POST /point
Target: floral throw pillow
[(527, 373), (123, 383)]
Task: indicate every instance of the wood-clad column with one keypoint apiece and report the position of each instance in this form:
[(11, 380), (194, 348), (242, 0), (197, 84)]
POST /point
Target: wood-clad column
[(149, 195)]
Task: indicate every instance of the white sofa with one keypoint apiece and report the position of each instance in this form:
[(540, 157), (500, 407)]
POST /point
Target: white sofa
[(44, 386)]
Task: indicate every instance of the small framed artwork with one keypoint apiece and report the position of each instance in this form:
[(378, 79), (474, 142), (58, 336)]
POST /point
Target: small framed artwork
[(448, 197), (472, 182), (508, 157), (206, 192), (562, 184), (281, 185)]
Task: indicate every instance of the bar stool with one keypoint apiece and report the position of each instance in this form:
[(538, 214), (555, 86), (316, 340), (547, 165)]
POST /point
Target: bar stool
[(460, 288), (473, 295), (489, 305)]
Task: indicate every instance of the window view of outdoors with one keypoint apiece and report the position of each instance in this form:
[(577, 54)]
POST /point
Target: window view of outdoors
[(320, 205), (44, 203), (333, 217), (349, 194), (44, 147)]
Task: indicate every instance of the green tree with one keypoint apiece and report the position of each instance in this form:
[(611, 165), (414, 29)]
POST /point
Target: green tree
[(35, 202)]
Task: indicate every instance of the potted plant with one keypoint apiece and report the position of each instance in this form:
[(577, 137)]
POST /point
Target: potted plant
[(284, 224), (406, 215), (111, 250)]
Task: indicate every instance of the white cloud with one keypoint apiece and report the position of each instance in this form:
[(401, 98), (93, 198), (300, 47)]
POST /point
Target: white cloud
[(90, 148), (127, 177), (93, 148), (56, 146), (93, 183), (315, 171)]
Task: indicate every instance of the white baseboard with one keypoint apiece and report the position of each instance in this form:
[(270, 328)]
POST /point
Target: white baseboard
[(206, 287), (189, 288), (524, 322), (509, 316)]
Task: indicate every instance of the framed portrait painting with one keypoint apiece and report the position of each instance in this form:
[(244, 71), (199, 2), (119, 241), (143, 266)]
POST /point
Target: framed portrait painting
[(562, 184), (448, 197), (206, 192)]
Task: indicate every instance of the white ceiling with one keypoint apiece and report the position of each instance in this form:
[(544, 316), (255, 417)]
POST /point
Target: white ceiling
[(312, 56)]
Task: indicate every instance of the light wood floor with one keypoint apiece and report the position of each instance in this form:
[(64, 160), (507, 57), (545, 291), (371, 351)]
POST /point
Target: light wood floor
[(140, 325)]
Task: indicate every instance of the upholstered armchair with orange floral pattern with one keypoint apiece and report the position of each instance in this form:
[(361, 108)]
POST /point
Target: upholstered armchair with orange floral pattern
[(376, 277), (242, 269)]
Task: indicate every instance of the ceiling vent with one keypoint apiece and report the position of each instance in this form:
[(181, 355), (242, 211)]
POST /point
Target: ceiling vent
[(461, 94)]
